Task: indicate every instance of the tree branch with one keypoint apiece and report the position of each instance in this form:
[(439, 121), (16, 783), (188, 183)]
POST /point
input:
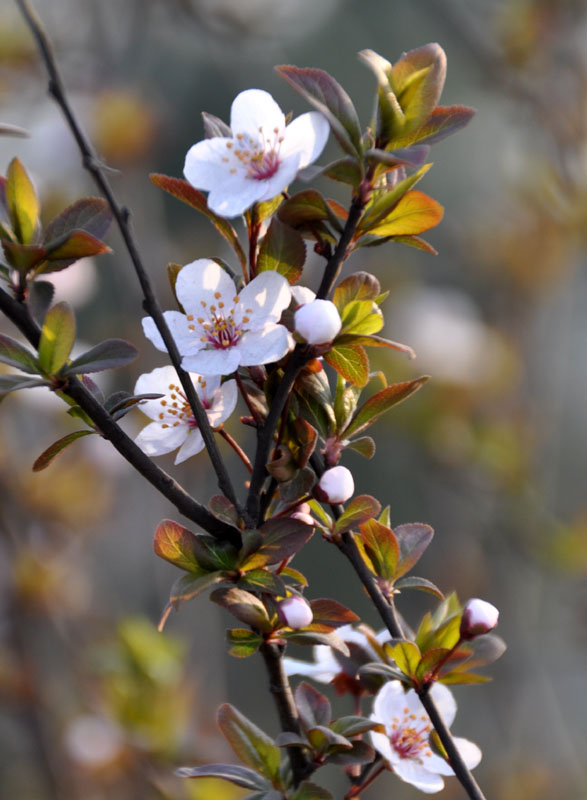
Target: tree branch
[(122, 217), (109, 428)]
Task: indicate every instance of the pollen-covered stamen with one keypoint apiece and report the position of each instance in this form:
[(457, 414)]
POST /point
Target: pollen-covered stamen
[(221, 331), (175, 407), (408, 740), (260, 157)]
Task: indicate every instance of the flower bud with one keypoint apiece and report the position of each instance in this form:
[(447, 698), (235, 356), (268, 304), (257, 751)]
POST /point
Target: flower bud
[(479, 617), (335, 486), (295, 612), (302, 513), (318, 322)]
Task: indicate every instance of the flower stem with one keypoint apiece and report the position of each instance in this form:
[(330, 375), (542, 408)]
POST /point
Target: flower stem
[(122, 217), (237, 449), (355, 791)]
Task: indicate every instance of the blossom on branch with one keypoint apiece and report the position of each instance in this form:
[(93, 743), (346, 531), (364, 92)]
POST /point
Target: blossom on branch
[(318, 321), (479, 617), (173, 423), (295, 612), (405, 745), (223, 329), (335, 486), (260, 159)]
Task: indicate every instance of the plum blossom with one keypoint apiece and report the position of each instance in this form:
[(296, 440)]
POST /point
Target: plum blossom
[(479, 617), (260, 159), (318, 321), (223, 329), (295, 612), (335, 486), (173, 423), (405, 744)]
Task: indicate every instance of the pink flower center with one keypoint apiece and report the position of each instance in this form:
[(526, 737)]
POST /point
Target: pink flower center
[(259, 157), (176, 409), (409, 737), (221, 332), (218, 327)]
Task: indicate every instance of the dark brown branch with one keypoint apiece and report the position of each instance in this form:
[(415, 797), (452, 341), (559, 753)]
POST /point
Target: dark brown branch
[(164, 483), (122, 217), (337, 259), (289, 720)]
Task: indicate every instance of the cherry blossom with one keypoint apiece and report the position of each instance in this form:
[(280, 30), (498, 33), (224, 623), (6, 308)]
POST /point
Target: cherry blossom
[(173, 423), (479, 617), (335, 486), (223, 329), (262, 157), (405, 744), (318, 321), (295, 612)]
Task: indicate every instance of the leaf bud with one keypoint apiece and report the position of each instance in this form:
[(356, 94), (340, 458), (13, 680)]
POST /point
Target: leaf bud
[(295, 612), (335, 486), (479, 617), (318, 321)]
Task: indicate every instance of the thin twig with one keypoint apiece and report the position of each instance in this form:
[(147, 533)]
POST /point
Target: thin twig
[(237, 449), (122, 217), (109, 428)]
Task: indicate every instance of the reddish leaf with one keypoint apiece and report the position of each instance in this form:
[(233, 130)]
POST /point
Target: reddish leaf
[(382, 402), (381, 547), (90, 214), (72, 246), (282, 250), (413, 538), (244, 606), (329, 614), (358, 510), (415, 213), (177, 545), (51, 453), (313, 707), (282, 538)]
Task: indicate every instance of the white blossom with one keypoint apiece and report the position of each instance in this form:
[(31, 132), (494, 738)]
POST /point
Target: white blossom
[(335, 486), (405, 744), (173, 423), (262, 157), (223, 329), (295, 612), (479, 617), (318, 321)]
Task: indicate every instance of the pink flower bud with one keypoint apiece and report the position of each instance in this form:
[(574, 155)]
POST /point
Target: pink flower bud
[(479, 617), (302, 513), (335, 486), (318, 322), (295, 612)]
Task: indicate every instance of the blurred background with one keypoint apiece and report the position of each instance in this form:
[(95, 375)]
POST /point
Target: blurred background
[(492, 453)]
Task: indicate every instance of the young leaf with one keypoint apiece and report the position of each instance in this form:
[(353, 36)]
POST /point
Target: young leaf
[(413, 582), (282, 538), (354, 726), (406, 655), (413, 539), (443, 122), (249, 742), (329, 614), (358, 510), (310, 637), (381, 547), (327, 96), (313, 707), (362, 317), (417, 80), (70, 247), (23, 257), (40, 299), (186, 587), (222, 508), (14, 354), (262, 580), (22, 202), (187, 194), (386, 200), (214, 126), (365, 446), (309, 791), (241, 776), (380, 403), (244, 606), (12, 383), (57, 338), (243, 642), (56, 448), (305, 206), (176, 544), (359, 753), (282, 250), (109, 354), (358, 286), (350, 361), (90, 214), (415, 213)]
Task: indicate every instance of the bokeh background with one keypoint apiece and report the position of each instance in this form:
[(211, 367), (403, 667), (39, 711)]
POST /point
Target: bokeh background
[(492, 453)]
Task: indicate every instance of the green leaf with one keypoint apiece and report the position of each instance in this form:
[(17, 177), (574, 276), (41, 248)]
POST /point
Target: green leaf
[(387, 671), (40, 299), (250, 743), (244, 606), (358, 510), (243, 642), (350, 361), (381, 547), (282, 250), (354, 726), (23, 257), (328, 97), (359, 753), (406, 655), (22, 202), (187, 194), (365, 446), (361, 317), (454, 677), (310, 791), (358, 286), (356, 340), (323, 739), (282, 538), (417, 80), (14, 354), (381, 402), (413, 582), (390, 117), (415, 213), (345, 170), (109, 354), (413, 539), (299, 486), (443, 122), (91, 214), (57, 338), (415, 242), (295, 577), (309, 637), (120, 403), (49, 455), (307, 206), (186, 587), (313, 707), (329, 614), (12, 383), (262, 580), (241, 776), (386, 200), (177, 544)]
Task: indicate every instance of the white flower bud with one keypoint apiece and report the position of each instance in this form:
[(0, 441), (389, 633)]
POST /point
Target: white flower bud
[(295, 612), (318, 322), (479, 617), (335, 486)]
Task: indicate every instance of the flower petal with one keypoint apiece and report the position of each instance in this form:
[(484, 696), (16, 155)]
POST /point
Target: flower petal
[(178, 326), (381, 743), (389, 702), (155, 440), (445, 702), (155, 382), (223, 403), (193, 444), (213, 361), (253, 109), (264, 346), (306, 135), (198, 283), (231, 199), (204, 167), (267, 295), (469, 751), (411, 771), (286, 173)]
